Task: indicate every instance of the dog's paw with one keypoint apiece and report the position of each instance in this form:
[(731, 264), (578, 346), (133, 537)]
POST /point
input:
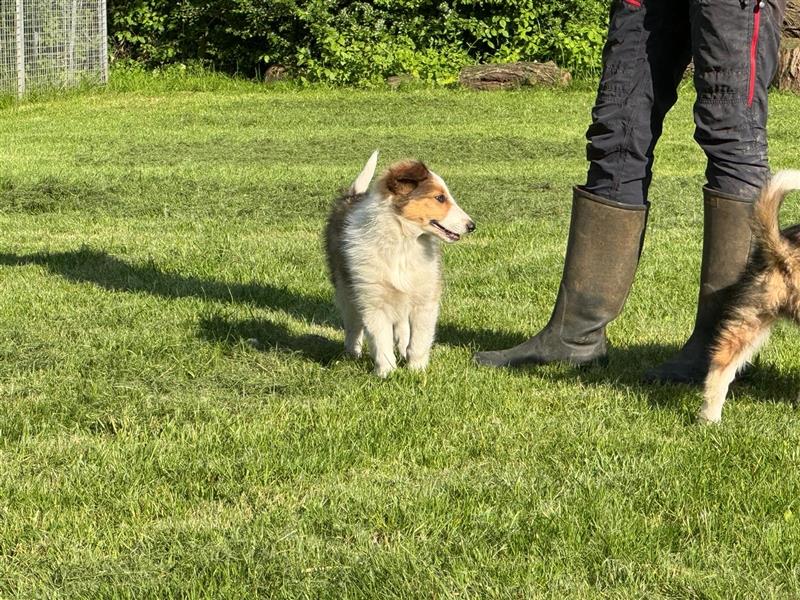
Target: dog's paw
[(418, 364), (382, 371), (354, 343), (354, 351), (708, 418)]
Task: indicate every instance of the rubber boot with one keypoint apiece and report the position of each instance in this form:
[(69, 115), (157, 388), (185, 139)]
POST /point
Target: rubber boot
[(726, 247), (605, 240)]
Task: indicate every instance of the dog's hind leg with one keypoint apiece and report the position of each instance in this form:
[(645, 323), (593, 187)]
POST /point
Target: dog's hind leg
[(353, 327), (737, 342), (423, 330), (379, 331)]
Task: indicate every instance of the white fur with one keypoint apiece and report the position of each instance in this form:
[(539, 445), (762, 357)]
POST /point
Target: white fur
[(785, 181), (395, 269), (361, 184), (456, 218), (396, 284)]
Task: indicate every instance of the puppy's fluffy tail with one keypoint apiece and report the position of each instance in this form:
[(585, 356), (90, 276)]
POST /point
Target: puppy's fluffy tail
[(765, 217), (361, 184)]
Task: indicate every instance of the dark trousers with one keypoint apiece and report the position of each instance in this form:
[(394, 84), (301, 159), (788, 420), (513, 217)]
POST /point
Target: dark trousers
[(734, 45)]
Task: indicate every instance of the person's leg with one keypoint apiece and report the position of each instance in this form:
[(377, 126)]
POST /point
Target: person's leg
[(643, 61), (735, 45), (735, 48)]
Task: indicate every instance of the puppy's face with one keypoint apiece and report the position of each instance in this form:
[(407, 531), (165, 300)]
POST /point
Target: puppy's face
[(421, 197)]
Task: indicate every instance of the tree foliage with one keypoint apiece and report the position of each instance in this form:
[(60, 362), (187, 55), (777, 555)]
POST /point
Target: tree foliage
[(358, 41)]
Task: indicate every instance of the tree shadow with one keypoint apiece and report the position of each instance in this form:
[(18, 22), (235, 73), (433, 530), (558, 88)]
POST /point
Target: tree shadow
[(115, 274)]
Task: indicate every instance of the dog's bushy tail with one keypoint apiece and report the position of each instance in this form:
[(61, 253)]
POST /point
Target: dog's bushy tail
[(361, 184), (765, 218)]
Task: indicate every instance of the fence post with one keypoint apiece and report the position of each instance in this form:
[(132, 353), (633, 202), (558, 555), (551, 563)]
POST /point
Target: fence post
[(19, 26), (103, 41), (73, 26)]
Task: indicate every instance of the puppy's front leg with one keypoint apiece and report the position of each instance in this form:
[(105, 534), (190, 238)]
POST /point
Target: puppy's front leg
[(380, 338), (402, 334), (423, 330)]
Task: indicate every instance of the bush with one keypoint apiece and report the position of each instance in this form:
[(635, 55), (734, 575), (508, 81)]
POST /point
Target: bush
[(358, 41)]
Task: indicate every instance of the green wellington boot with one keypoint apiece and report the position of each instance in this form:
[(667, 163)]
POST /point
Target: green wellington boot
[(726, 248), (605, 240)]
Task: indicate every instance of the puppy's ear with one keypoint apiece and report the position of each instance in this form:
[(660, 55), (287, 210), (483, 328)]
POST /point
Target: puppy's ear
[(403, 178)]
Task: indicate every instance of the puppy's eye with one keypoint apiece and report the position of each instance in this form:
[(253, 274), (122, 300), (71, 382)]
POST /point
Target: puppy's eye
[(441, 198)]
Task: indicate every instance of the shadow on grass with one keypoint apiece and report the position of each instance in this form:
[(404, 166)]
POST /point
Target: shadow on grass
[(266, 335), (625, 366), (762, 381), (115, 274)]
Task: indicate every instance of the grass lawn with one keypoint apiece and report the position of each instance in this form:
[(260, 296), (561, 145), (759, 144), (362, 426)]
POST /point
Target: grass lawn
[(148, 231)]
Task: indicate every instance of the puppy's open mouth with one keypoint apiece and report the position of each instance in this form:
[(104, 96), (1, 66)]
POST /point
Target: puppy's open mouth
[(445, 233)]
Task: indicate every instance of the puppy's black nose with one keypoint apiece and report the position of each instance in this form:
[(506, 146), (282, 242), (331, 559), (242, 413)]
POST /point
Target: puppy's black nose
[(470, 227)]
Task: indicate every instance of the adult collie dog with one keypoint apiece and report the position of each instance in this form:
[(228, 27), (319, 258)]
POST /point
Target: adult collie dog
[(768, 291), (383, 247)]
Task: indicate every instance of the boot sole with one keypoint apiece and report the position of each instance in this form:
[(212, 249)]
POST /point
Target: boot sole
[(588, 363)]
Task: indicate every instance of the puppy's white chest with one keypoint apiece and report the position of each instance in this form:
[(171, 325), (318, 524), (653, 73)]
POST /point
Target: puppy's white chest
[(410, 267), (413, 267)]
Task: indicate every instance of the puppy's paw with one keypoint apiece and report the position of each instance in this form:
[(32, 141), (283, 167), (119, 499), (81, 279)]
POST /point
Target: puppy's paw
[(354, 343), (705, 417), (354, 351), (382, 371), (418, 363)]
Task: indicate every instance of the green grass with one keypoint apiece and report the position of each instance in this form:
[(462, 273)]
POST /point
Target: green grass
[(149, 450)]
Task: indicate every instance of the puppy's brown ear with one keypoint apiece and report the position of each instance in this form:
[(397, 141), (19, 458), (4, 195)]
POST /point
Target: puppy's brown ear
[(403, 178)]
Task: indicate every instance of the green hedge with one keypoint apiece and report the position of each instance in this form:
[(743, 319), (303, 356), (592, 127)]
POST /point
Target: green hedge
[(358, 42)]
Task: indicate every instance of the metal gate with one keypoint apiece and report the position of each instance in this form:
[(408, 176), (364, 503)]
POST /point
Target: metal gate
[(52, 44)]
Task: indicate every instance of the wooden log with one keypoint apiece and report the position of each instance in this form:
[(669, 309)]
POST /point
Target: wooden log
[(788, 75), (395, 81), (514, 75), (791, 23)]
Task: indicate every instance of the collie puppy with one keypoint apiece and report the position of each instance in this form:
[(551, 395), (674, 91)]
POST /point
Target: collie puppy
[(383, 249), (769, 290)]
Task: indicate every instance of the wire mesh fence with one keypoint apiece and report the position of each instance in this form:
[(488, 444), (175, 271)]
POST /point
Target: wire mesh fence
[(51, 44)]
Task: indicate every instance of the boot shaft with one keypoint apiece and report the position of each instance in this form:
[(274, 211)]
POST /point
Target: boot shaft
[(603, 249), (727, 241)]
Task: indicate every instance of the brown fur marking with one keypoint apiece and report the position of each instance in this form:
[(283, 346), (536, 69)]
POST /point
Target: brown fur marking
[(769, 290), (402, 178), (414, 192)]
